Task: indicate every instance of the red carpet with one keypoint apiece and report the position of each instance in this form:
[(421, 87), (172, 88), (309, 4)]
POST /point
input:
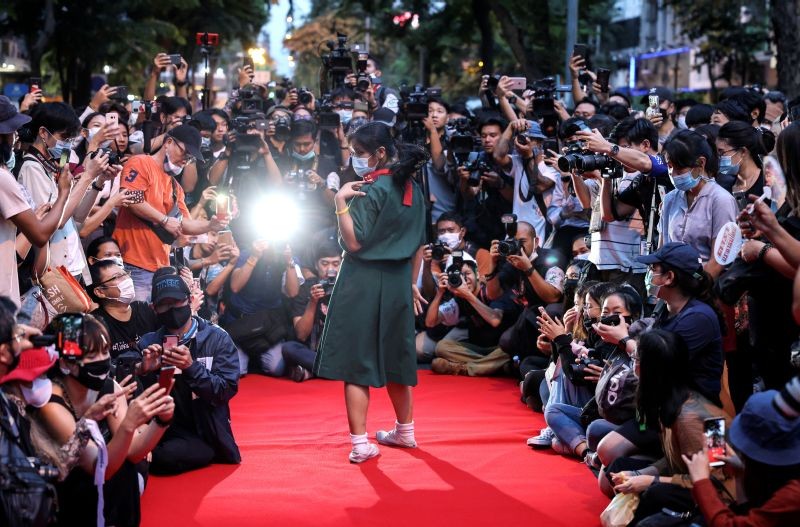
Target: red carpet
[(472, 467)]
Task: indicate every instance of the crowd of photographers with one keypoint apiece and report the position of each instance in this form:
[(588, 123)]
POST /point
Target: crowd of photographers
[(630, 261)]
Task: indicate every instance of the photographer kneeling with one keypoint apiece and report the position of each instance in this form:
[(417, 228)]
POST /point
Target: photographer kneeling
[(200, 433), (470, 309)]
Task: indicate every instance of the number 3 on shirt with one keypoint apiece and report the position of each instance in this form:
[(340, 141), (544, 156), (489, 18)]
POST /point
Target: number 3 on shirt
[(131, 176)]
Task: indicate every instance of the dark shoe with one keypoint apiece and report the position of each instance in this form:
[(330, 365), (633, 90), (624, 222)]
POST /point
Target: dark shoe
[(300, 374), (446, 367)]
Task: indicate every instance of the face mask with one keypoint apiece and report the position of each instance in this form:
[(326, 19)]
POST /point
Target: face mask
[(356, 123), (587, 323), (116, 259), (652, 289), (132, 118), (570, 283), (170, 168), (308, 156), (361, 165), (93, 374), (684, 182), (682, 122), (175, 318), (126, 291), (8, 157), (345, 116), (726, 166), (39, 393), (581, 257), (93, 132), (205, 142), (450, 239), (57, 150)]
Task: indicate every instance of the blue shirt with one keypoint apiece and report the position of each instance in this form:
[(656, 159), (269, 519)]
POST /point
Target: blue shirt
[(697, 324)]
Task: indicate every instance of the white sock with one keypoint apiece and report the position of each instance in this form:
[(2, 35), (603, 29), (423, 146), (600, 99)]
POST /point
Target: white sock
[(360, 442), (405, 430)]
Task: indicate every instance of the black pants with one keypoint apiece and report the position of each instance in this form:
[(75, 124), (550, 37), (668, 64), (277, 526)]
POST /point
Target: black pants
[(180, 451)]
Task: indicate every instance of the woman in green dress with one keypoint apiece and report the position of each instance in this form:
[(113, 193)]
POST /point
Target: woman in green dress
[(368, 338)]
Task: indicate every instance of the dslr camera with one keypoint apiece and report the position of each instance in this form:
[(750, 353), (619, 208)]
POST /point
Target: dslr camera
[(579, 160), (327, 285), (579, 370), (113, 156), (439, 251), (477, 167), (454, 276), (510, 246), (241, 124)]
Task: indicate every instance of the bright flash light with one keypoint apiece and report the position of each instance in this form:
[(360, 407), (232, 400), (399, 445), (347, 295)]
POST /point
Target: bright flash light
[(259, 56), (106, 69), (276, 218)]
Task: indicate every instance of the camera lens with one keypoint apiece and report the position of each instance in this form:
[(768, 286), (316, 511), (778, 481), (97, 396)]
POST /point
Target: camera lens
[(454, 279)]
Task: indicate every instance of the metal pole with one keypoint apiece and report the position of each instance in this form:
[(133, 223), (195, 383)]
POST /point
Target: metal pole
[(367, 25), (572, 34)]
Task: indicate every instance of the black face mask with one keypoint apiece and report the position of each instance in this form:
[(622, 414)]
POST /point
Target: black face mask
[(571, 283), (587, 324), (176, 317), (93, 375)]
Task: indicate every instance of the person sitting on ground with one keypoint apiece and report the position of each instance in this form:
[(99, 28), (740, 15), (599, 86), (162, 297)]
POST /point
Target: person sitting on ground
[(201, 432), (765, 441)]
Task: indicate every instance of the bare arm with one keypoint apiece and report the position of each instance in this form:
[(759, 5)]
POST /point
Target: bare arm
[(582, 191), (493, 316)]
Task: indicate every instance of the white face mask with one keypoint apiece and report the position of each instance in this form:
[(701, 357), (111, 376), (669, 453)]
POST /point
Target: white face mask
[(127, 292), (171, 168), (361, 165), (450, 239), (584, 256), (116, 259), (39, 393), (682, 122)]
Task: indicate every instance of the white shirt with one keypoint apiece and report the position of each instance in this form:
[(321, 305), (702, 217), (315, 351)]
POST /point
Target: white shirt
[(12, 202), (529, 211)]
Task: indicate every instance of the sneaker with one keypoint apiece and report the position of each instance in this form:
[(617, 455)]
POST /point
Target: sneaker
[(543, 440), (561, 448), (300, 374), (447, 367), (592, 460), (394, 439), (361, 456)]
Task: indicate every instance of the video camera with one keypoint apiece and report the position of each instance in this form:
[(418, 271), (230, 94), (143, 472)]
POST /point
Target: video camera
[(414, 105), (249, 101), (327, 118), (336, 64), (460, 140), (577, 159), (543, 106), (240, 124), (363, 80)]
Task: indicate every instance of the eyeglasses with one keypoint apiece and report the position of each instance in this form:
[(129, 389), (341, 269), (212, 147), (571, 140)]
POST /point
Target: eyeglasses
[(725, 152), (188, 157), (123, 274)]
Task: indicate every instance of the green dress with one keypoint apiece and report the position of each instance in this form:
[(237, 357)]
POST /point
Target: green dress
[(369, 331)]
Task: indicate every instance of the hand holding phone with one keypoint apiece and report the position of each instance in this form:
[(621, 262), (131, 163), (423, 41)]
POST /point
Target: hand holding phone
[(714, 430), (165, 376), (170, 341)]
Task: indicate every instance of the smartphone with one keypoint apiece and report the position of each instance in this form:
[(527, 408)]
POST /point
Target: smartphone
[(714, 430), (223, 206), (34, 83), (741, 200), (550, 144), (112, 120), (64, 157), (165, 376), (247, 60), (175, 59), (518, 83), (124, 366), (225, 238), (121, 94), (170, 341), (137, 196), (580, 50), (602, 79)]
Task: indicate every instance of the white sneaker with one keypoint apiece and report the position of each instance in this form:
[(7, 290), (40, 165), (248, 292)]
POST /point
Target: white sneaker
[(394, 439), (561, 448), (543, 440), (361, 456)]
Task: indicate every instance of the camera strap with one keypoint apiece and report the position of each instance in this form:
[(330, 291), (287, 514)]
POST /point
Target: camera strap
[(49, 165)]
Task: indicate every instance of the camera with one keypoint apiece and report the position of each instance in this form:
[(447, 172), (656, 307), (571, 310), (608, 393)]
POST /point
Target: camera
[(299, 178), (460, 140), (509, 247), (283, 128), (477, 167), (327, 284), (454, 276), (250, 101), (241, 124), (363, 81), (579, 160), (326, 117), (113, 156), (438, 251), (579, 370)]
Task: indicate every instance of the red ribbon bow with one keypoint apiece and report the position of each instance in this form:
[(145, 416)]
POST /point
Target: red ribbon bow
[(372, 177)]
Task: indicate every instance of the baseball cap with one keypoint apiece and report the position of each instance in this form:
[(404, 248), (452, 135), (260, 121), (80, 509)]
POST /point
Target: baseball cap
[(190, 137), (10, 118), (32, 363), (534, 131), (664, 94), (676, 255), (169, 286)]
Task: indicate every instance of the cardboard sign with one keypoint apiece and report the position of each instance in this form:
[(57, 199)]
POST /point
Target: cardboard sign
[(728, 243)]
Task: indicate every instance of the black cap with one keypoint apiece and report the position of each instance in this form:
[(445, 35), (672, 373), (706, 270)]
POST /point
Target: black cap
[(10, 118), (664, 94), (190, 137), (169, 286)]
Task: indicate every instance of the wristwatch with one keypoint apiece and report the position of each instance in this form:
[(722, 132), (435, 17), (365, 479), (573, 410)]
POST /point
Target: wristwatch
[(94, 186), (512, 99), (614, 150), (530, 271), (623, 342)]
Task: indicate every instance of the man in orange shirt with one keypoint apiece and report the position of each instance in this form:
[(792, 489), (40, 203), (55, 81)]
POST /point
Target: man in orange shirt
[(143, 229)]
